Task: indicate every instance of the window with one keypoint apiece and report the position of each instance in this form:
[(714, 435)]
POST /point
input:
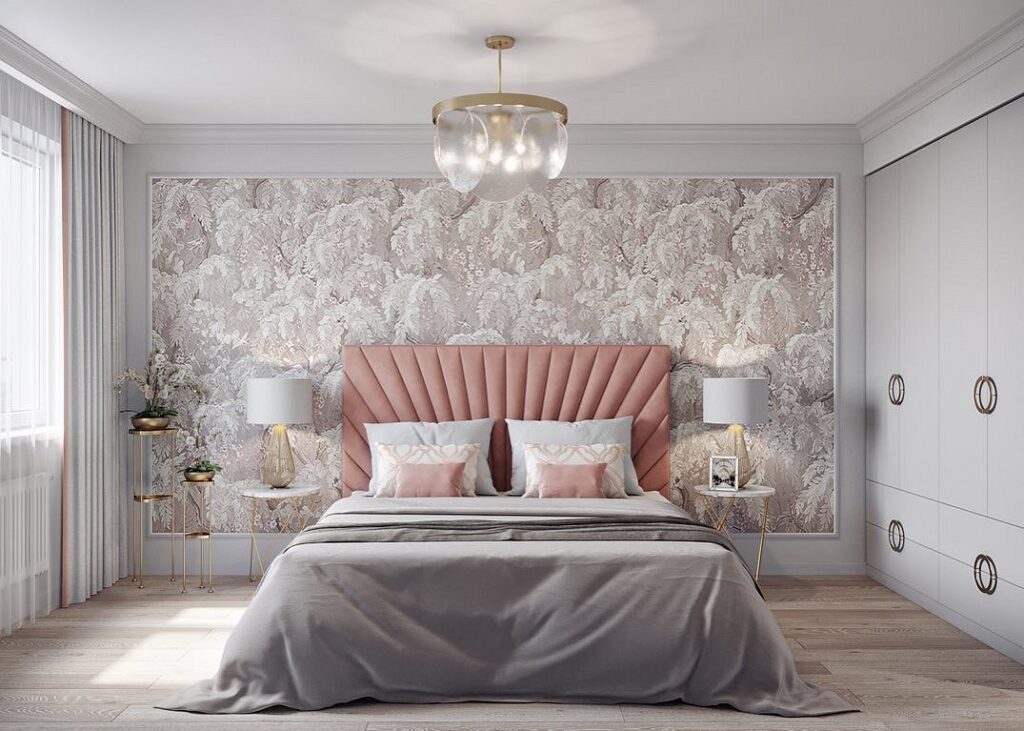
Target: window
[(31, 285), (31, 353)]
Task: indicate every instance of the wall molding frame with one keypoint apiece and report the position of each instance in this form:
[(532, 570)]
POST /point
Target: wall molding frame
[(841, 552), (419, 134), (42, 73)]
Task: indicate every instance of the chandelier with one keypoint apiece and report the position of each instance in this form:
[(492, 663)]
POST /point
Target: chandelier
[(494, 145)]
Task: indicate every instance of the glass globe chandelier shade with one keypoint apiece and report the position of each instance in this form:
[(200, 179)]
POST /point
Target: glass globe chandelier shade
[(495, 145)]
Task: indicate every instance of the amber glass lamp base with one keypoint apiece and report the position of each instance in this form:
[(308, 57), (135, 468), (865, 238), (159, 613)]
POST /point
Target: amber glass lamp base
[(739, 448), (278, 464)]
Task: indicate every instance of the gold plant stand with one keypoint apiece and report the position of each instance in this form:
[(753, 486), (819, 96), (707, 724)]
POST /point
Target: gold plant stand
[(141, 497), (202, 532)]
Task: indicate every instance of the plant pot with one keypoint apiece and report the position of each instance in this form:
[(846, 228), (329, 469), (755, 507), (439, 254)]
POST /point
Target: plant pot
[(151, 423), (200, 476)]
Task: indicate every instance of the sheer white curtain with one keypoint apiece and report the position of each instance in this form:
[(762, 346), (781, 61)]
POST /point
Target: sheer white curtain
[(31, 354), (95, 509)]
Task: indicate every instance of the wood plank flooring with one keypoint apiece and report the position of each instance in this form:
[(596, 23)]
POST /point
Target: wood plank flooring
[(102, 665)]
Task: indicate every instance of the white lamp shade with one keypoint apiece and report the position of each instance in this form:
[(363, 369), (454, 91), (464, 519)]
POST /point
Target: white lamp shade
[(279, 401), (735, 400)]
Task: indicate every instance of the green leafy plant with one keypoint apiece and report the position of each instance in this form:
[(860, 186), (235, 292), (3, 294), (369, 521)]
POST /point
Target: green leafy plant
[(155, 412), (203, 465)]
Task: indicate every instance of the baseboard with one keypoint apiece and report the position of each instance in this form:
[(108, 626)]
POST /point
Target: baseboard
[(996, 642), (812, 569)]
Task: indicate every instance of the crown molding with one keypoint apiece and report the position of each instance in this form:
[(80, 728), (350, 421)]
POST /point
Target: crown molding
[(999, 43), (419, 134), (42, 73), (54, 81)]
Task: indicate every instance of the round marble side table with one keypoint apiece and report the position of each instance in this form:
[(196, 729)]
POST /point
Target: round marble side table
[(720, 516), (276, 498)]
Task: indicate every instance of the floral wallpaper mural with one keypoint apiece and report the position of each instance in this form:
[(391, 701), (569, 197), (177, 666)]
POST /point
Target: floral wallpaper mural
[(258, 277)]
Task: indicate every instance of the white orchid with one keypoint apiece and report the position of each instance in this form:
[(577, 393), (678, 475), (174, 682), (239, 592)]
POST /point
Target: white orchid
[(160, 379)]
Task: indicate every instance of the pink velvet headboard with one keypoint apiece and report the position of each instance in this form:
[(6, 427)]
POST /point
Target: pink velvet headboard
[(385, 383)]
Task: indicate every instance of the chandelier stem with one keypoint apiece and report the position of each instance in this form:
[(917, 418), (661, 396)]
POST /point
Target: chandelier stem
[(499, 70)]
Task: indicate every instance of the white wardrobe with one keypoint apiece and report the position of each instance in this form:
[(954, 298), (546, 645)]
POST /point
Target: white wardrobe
[(945, 377)]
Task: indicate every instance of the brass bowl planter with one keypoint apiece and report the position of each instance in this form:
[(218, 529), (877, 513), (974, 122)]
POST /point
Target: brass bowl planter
[(151, 423), (200, 476)]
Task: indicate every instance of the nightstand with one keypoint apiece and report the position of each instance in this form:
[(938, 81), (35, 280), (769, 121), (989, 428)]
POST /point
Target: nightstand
[(276, 499), (721, 515)]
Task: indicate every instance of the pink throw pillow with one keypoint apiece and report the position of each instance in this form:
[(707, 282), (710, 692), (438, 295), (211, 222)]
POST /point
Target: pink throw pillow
[(429, 480), (570, 480)]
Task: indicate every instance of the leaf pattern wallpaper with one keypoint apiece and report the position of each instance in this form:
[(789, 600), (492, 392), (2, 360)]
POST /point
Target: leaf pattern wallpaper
[(262, 277)]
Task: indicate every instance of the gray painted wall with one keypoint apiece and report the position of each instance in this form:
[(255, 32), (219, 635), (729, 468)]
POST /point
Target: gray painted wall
[(839, 553)]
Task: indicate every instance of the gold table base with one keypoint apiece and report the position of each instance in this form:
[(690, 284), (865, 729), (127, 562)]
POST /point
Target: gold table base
[(719, 519), (273, 504)]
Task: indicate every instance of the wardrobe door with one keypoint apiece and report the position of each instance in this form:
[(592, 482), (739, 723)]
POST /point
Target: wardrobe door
[(882, 322), (1006, 312), (919, 322), (963, 304)]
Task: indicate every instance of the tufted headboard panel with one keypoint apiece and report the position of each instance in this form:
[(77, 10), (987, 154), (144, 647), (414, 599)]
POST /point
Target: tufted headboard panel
[(386, 383)]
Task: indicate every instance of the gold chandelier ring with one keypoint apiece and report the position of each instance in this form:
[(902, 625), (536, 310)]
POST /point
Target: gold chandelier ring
[(508, 100)]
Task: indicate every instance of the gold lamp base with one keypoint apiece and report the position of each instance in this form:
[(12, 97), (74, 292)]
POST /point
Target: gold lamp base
[(739, 446), (278, 464)]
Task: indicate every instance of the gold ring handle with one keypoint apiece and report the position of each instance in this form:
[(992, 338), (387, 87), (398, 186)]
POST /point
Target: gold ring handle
[(897, 389), (897, 536), (993, 398), (987, 404), (985, 584)]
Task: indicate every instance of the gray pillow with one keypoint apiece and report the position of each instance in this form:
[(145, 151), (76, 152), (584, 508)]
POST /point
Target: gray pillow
[(474, 431), (594, 431)]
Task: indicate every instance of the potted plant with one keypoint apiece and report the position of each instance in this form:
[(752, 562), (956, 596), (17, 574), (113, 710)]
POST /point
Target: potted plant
[(202, 470), (155, 383), (153, 417)]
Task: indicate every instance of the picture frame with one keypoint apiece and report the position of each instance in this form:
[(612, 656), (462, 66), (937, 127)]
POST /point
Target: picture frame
[(723, 473)]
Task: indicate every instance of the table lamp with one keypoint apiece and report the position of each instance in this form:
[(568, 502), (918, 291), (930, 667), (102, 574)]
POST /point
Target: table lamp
[(278, 401), (737, 402)]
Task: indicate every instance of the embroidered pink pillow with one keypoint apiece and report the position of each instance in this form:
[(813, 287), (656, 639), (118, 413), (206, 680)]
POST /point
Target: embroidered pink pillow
[(429, 480), (612, 481), (570, 480), (391, 456)]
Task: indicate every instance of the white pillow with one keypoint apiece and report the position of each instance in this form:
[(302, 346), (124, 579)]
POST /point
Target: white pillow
[(389, 456), (593, 431), (473, 431), (610, 455)]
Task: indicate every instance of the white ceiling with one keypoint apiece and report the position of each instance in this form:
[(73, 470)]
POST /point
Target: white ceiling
[(611, 61)]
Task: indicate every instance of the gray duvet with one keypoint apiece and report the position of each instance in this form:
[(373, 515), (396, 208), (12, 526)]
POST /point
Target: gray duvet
[(507, 599)]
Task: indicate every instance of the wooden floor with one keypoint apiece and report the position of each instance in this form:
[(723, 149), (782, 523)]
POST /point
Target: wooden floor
[(102, 665)]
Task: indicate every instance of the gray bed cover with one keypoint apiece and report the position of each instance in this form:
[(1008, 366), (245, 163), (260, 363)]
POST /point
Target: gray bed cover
[(507, 599)]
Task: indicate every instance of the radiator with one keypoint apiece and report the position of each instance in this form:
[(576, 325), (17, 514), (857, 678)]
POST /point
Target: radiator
[(24, 529)]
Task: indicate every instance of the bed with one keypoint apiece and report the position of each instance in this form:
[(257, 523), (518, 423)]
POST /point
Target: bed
[(503, 598)]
